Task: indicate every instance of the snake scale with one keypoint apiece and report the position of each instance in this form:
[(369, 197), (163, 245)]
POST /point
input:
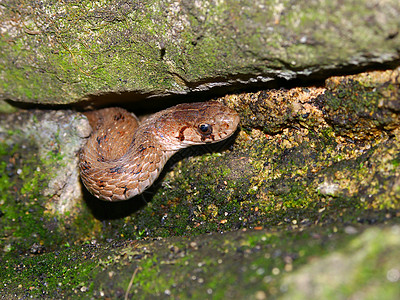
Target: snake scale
[(122, 158)]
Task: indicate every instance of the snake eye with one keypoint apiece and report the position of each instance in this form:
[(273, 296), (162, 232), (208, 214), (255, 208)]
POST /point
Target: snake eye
[(205, 129)]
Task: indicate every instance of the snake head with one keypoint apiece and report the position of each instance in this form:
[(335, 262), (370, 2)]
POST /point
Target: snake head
[(200, 123)]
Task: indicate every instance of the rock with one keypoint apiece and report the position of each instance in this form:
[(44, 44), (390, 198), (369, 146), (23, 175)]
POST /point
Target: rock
[(311, 181), (63, 53), (40, 183)]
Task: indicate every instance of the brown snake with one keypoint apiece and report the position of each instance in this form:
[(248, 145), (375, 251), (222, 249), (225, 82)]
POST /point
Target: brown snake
[(121, 159)]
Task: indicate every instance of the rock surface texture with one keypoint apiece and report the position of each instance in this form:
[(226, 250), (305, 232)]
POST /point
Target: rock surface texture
[(303, 201), (62, 52)]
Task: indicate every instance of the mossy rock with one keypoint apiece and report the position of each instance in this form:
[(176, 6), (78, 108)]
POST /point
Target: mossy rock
[(61, 52), (294, 191)]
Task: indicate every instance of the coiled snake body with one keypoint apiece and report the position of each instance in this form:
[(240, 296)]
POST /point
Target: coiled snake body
[(121, 159)]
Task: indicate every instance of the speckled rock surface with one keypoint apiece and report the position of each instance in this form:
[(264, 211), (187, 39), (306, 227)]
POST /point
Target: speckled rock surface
[(40, 186), (55, 138), (61, 52), (304, 201), (311, 181)]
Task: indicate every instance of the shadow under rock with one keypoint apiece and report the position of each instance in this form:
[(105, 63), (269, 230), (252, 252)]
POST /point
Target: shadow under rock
[(106, 210)]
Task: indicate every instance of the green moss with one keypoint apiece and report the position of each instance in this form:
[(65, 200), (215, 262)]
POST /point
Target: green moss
[(25, 175), (235, 264), (148, 270), (296, 183), (358, 268), (6, 107), (361, 106), (21, 184), (278, 182), (50, 275), (158, 48), (353, 96), (395, 162)]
